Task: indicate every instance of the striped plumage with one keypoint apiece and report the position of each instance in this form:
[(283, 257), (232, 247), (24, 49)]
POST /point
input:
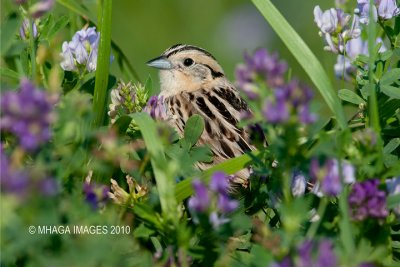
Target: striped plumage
[(192, 82)]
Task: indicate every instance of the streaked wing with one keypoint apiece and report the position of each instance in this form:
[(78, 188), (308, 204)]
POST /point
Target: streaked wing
[(220, 109)]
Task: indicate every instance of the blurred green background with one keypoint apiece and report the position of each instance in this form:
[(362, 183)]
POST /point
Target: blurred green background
[(226, 28)]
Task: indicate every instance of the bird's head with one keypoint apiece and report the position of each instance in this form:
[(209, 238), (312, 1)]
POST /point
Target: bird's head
[(186, 68)]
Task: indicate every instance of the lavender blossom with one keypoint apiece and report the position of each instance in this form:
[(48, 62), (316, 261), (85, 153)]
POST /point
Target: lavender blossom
[(382, 9), (291, 98), (27, 113), (335, 28), (261, 66), (354, 48), (40, 8), (95, 195), (219, 182), (329, 178), (367, 201), (25, 30), (11, 180), (299, 184), (324, 255), (200, 201), (387, 9), (156, 108), (225, 204), (80, 54)]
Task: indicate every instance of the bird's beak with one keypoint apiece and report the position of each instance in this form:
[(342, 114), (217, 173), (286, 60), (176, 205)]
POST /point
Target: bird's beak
[(161, 63)]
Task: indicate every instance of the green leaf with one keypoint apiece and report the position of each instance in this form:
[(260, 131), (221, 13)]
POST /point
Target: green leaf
[(350, 96), (391, 146), (122, 124), (76, 8), (8, 31), (9, 73), (231, 166), (391, 91), (60, 23), (391, 76), (393, 201), (304, 56), (193, 129), (165, 183), (143, 232)]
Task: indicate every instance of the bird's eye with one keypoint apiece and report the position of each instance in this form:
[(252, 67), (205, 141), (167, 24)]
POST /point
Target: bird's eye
[(188, 62)]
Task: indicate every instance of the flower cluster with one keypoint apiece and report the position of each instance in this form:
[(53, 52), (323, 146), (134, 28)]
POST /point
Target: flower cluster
[(325, 255), (293, 98), (354, 48), (367, 201), (336, 28), (26, 29), (121, 197), (260, 67), (327, 176), (214, 202), (382, 9), (156, 108), (27, 114), (81, 53), (126, 99)]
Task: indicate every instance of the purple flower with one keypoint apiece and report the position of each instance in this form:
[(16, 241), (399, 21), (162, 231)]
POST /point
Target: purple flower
[(304, 251), (367, 201), (225, 204), (219, 182), (277, 112), (11, 180), (290, 98), (27, 113), (200, 201), (328, 20), (156, 108), (41, 8), (387, 9), (329, 178), (81, 53), (261, 66), (335, 28), (326, 257), (384, 9), (286, 262), (95, 195), (25, 30), (299, 184), (354, 48)]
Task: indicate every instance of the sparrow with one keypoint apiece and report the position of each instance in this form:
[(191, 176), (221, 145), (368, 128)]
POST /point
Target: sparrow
[(193, 82)]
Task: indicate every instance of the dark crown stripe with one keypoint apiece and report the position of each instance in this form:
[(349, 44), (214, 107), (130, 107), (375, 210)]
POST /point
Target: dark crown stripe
[(179, 48)]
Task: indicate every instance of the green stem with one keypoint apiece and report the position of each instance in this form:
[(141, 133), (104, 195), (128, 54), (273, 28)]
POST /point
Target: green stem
[(315, 225), (103, 63), (33, 50), (372, 100)]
